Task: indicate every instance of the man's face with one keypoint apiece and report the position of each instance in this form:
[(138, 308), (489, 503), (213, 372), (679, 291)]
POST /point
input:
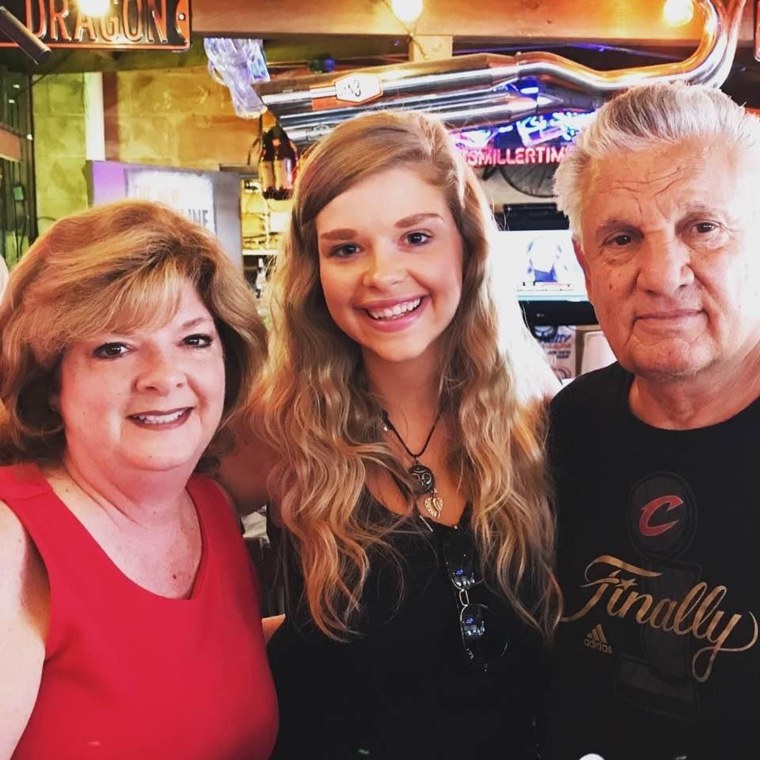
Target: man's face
[(670, 245)]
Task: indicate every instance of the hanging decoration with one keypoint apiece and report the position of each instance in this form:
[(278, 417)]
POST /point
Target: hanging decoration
[(237, 64)]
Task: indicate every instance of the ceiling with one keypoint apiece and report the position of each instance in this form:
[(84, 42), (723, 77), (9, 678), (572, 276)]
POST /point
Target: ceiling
[(608, 34)]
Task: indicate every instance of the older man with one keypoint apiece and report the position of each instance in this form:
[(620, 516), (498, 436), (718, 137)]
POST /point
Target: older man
[(656, 457)]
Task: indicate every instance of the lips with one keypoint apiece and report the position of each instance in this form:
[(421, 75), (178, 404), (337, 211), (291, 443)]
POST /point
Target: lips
[(669, 315), (161, 418), (396, 311)]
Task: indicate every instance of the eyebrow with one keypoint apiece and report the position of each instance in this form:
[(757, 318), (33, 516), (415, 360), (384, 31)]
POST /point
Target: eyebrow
[(408, 221), (612, 224), (339, 234), (616, 223), (195, 322), (344, 233)]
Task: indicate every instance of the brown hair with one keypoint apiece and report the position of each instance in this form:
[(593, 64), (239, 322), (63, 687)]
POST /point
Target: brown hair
[(115, 267)]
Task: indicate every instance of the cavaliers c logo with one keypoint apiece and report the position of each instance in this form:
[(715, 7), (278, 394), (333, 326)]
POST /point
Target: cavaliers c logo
[(662, 516)]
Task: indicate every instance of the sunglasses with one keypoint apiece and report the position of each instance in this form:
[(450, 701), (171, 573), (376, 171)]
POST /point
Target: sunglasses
[(459, 559)]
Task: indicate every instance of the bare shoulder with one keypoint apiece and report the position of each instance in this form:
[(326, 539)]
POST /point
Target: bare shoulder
[(245, 472), (23, 580), (14, 556), (24, 618)]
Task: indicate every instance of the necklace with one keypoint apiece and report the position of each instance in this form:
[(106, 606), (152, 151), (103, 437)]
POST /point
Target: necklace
[(423, 479)]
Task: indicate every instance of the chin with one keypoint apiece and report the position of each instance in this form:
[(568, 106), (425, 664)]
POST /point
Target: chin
[(667, 368), (166, 463)]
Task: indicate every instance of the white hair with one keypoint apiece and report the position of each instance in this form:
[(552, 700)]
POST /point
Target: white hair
[(649, 115)]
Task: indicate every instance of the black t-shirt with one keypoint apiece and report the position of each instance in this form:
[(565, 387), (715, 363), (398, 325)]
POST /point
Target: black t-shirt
[(403, 687), (658, 657)]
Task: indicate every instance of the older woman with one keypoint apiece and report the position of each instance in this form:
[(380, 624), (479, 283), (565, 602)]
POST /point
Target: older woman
[(3, 276), (128, 608)]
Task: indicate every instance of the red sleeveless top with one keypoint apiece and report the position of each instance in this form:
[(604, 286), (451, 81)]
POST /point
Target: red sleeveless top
[(130, 674)]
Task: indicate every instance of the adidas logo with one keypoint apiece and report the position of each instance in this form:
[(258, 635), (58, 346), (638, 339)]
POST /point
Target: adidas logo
[(597, 640)]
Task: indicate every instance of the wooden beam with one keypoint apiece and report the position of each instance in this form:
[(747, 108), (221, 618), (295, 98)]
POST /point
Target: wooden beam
[(621, 21), (428, 47), (10, 144)]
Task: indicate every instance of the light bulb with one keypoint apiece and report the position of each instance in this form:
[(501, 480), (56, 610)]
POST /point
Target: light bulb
[(678, 12), (406, 10), (94, 7)]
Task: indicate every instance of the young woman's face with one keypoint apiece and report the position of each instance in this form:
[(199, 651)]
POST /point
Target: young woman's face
[(390, 264)]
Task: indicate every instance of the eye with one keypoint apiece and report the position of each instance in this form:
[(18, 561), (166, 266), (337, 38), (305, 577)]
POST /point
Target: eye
[(110, 350), (619, 240), (198, 340), (417, 238), (707, 234), (343, 251)]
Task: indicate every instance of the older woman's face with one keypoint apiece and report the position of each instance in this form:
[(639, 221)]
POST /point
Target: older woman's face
[(147, 400)]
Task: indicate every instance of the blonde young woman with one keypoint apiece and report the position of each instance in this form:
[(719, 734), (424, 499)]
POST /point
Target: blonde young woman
[(409, 493)]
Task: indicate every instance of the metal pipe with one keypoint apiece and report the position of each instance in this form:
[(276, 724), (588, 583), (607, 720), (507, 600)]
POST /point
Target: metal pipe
[(16, 32), (476, 90)]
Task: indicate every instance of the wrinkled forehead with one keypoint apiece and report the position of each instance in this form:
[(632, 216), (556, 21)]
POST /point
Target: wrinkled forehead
[(666, 180)]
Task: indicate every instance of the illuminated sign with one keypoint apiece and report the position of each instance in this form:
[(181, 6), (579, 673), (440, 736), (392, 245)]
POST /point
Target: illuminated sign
[(507, 156), (191, 194), (536, 139), (559, 126), (128, 24)]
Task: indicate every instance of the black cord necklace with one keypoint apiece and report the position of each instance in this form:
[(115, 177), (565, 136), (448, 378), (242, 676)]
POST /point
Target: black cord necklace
[(423, 479)]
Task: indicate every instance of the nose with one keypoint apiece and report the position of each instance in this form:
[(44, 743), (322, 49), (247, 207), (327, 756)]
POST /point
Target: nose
[(664, 265), (160, 372), (384, 267)]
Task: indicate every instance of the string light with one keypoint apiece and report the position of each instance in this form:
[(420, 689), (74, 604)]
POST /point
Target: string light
[(678, 12), (94, 7), (406, 11)]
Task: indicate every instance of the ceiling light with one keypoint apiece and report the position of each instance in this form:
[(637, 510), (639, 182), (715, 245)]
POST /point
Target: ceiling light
[(406, 10), (94, 7), (678, 12)]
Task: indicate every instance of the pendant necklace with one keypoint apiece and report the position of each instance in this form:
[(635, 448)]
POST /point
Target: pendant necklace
[(423, 480)]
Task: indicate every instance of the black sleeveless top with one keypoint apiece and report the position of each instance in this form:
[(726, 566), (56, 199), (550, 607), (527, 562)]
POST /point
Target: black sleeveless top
[(404, 686)]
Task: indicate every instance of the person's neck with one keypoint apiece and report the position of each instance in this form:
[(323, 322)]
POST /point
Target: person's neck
[(145, 498), (409, 394), (694, 402)]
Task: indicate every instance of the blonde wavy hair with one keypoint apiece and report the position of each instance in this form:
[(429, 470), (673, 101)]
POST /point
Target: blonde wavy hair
[(114, 268), (319, 415)]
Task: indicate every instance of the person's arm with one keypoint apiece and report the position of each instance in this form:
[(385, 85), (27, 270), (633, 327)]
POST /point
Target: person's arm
[(270, 624), (24, 617), (244, 473)]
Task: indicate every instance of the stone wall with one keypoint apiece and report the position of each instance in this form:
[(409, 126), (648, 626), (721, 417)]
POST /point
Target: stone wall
[(178, 118), (59, 146)]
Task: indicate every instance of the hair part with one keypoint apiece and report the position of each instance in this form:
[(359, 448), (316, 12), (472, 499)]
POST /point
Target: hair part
[(114, 268), (647, 116), (318, 412)]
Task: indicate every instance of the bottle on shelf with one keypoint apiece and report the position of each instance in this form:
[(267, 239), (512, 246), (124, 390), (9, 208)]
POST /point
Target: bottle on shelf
[(285, 161), (261, 278), (266, 165)]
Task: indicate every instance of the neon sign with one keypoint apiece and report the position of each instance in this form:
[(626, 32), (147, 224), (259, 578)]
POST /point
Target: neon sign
[(535, 139)]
